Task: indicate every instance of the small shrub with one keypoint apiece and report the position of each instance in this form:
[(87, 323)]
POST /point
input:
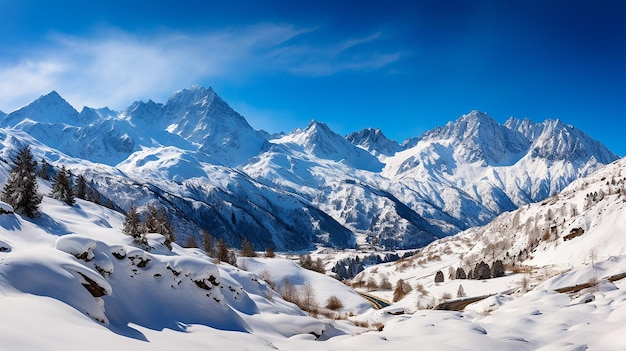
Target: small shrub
[(371, 284), (334, 303), (265, 275), (420, 288), (446, 296), (460, 292), (402, 288), (385, 284)]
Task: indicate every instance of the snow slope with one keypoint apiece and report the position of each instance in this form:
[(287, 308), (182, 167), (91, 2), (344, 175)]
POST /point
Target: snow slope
[(71, 269)]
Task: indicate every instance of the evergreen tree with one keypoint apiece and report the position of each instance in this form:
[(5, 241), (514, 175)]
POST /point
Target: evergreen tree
[(132, 224), (20, 190), (43, 170), (222, 251), (497, 269), (482, 271), (61, 189), (166, 227), (81, 187), (439, 277), (157, 222), (460, 274)]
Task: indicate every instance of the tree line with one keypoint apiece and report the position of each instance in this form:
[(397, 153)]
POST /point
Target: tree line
[(21, 190)]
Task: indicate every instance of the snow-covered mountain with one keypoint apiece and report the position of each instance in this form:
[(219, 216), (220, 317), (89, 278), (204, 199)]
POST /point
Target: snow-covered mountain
[(71, 278), (201, 160), (573, 236), (374, 141)]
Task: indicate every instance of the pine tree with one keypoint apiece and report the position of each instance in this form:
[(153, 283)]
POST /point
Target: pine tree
[(81, 187), (166, 227), (132, 224), (157, 222), (439, 277), (151, 224), (61, 188), (482, 271), (497, 269), (460, 274), (222, 251), (20, 190), (43, 170)]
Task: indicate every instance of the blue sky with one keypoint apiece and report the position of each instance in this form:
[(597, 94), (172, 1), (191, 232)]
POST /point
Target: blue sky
[(402, 66)]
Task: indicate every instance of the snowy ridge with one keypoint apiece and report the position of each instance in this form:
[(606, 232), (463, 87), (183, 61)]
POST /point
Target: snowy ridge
[(50, 108), (318, 140), (374, 141), (194, 153)]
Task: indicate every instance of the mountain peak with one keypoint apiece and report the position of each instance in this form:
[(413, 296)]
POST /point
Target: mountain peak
[(49, 108), (561, 141), (316, 126), (476, 115), (374, 141), (479, 138)]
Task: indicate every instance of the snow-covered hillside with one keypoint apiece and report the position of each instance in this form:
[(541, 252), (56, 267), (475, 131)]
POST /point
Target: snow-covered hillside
[(72, 278), (212, 171), (579, 232)]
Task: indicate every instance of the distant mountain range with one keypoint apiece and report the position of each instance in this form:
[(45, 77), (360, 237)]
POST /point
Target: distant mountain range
[(201, 160)]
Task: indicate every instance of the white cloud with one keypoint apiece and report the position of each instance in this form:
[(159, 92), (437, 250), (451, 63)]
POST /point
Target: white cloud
[(114, 66)]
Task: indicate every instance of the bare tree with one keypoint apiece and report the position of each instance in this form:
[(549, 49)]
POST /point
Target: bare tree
[(207, 244), (402, 288), (246, 249)]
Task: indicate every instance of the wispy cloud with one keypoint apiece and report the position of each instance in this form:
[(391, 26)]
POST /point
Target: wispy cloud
[(113, 66)]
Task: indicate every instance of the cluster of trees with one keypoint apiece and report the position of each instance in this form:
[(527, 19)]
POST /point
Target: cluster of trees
[(155, 221), (481, 271), (21, 189), (61, 187), (307, 262), (349, 267), (222, 252)]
